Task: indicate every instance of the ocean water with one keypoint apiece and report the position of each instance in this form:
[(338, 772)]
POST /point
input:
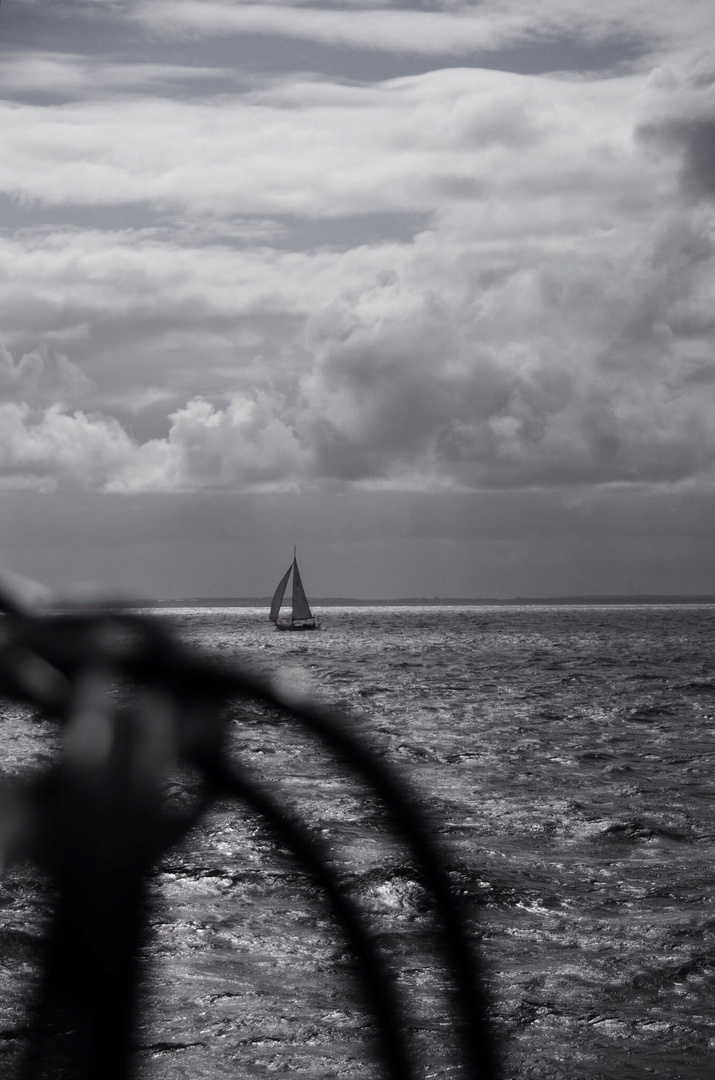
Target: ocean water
[(566, 759)]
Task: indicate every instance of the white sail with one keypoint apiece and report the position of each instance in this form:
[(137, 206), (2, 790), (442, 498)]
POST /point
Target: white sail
[(278, 596), (301, 608)]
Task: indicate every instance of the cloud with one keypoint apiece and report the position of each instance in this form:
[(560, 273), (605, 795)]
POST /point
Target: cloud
[(443, 26), (524, 154), (246, 445), (67, 75), (561, 372), (322, 149), (385, 29), (447, 28), (40, 451), (550, 375), (41, 376), (548, 322), (680, 118)]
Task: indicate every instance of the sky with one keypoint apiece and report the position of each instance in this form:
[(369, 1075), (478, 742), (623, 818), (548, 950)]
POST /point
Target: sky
[(425, 288)]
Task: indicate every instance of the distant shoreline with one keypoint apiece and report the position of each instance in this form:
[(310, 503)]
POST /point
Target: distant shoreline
[(434, 601)]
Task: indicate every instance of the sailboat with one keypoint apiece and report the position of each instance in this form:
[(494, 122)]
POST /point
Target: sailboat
[(302, 617)]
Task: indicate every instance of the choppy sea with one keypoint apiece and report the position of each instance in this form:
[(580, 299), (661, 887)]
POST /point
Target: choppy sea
[(566, 757)]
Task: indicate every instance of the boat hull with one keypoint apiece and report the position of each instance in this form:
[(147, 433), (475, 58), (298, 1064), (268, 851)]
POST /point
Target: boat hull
[(298, 626)]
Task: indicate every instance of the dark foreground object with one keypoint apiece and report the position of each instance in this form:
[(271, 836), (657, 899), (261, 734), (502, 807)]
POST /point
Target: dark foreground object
[(137, 706)]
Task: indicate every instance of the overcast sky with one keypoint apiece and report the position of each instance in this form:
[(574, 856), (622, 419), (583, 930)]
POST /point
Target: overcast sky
[(426, 288)]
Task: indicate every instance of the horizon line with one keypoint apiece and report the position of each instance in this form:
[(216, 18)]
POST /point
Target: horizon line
[(570, 598)]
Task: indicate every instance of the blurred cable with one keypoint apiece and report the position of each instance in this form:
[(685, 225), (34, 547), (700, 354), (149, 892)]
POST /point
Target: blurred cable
[(98, 822)]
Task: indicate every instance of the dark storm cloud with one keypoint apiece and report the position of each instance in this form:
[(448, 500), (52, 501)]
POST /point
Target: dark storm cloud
[(695, 140), (700, 158), (681, 120)]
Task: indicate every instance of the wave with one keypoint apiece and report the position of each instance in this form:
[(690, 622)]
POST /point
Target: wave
[(700, 967), (638, 830)]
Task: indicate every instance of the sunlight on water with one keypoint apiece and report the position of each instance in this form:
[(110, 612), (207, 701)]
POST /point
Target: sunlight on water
[(566, 755)]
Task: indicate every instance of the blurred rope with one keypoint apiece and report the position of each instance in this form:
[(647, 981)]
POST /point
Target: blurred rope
[(98, 822)]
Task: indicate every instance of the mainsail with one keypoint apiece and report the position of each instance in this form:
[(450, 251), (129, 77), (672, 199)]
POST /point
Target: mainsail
[(278, 595), (301, 608)]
